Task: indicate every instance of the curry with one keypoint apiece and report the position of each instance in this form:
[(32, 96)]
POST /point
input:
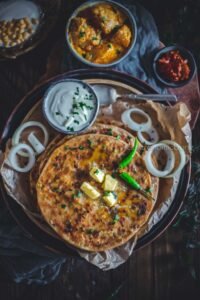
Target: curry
[(100, 34)]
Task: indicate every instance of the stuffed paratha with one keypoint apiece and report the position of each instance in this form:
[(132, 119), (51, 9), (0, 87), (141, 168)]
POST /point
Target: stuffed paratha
[(87, 223)]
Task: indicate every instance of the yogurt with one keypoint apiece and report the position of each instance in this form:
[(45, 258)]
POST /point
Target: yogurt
[(70, 106)]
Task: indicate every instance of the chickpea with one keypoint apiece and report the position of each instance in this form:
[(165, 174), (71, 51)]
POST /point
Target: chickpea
[(18, 41), (5, 39), (7, 44), (25, 35), (27, 21), (12, 44)]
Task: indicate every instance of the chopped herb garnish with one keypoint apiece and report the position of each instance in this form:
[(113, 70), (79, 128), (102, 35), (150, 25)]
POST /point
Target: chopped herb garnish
[(63, 205), (106, 193), (70, 128), (55, 189), (79, 194), (75, 113), (55, 165), (148, 190), (116, 218), (76, 121), (66, 147), (81, 34), (75, 106), (97, 171), (82, 104), (110, 131), (89, 107), (90, 231), (94, 38), (116, 27), (103, 19), (57, 113), (84, 55), (81, 147), (109, 45), (118, 137), (89, 142)]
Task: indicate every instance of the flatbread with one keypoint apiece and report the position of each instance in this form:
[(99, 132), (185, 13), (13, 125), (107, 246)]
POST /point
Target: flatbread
[(107, 129), (82, 222)]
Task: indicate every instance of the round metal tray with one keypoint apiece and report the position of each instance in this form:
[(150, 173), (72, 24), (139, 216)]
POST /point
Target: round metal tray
[(20, 112)]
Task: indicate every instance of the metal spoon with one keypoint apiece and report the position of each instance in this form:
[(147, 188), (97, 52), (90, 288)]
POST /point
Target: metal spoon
[(108, 95)]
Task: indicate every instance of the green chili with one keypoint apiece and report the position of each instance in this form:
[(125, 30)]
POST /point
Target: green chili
[(130, 180), (127, 160), (134, 184)]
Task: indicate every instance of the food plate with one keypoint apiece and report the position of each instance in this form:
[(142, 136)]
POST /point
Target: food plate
[(122, 81)]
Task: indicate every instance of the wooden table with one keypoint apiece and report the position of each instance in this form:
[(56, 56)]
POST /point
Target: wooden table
[(155, 272)]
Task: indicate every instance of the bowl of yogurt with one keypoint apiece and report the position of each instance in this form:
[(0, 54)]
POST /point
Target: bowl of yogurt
[(70, 106)]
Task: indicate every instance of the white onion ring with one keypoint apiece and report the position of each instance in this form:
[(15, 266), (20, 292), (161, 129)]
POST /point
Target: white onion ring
[(152, 132), (181, 154), (13, 159), (126, 119), (17, 134), (170, 160), (35, 143)]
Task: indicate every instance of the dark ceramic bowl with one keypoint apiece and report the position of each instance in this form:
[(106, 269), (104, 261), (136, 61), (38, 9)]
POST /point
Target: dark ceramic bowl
[(185, 54), (120, 7), (49, 12), (88, 123)]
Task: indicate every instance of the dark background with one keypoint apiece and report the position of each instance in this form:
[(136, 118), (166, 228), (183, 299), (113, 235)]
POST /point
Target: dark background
[(166, 269)]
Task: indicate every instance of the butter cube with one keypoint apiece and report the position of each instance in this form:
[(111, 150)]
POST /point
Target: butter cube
[(97, 174), (89, 190), (110, 198), (110, 183)]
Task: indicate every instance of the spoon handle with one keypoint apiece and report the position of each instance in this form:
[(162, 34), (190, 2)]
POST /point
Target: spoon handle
[(153, 97)]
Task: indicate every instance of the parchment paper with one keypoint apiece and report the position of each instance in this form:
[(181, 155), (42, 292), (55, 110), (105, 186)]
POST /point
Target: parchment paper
[(172, 122)]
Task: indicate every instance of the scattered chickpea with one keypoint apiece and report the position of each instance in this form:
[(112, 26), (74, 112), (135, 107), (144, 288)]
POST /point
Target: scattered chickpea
[(16, 31)]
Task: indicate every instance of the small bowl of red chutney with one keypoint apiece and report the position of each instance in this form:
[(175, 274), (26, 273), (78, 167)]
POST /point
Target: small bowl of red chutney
[(174, 66)]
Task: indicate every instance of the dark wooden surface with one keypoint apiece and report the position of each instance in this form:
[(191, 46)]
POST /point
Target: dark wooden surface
[(155, 272)]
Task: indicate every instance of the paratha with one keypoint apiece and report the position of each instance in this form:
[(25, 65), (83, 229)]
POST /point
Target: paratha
[(81, 221), (100, 128)]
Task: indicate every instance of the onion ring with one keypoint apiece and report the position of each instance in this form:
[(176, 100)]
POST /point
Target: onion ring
[(170, 160), (13, 159), (153, 134), (17, 134), (126, 119), (181, 154)]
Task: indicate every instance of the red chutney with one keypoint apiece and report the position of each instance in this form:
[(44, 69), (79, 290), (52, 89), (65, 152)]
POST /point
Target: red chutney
[(173, 67)]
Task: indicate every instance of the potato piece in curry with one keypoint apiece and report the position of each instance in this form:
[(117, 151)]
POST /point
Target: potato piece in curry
[(107, 17), (83, 35), (106, 52), (122, 37)]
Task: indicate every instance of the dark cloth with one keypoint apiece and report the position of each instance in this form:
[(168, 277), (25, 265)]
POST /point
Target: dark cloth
[(24, 260)]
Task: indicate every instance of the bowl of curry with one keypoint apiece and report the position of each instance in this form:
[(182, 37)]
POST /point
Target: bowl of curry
[(101, 33)]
